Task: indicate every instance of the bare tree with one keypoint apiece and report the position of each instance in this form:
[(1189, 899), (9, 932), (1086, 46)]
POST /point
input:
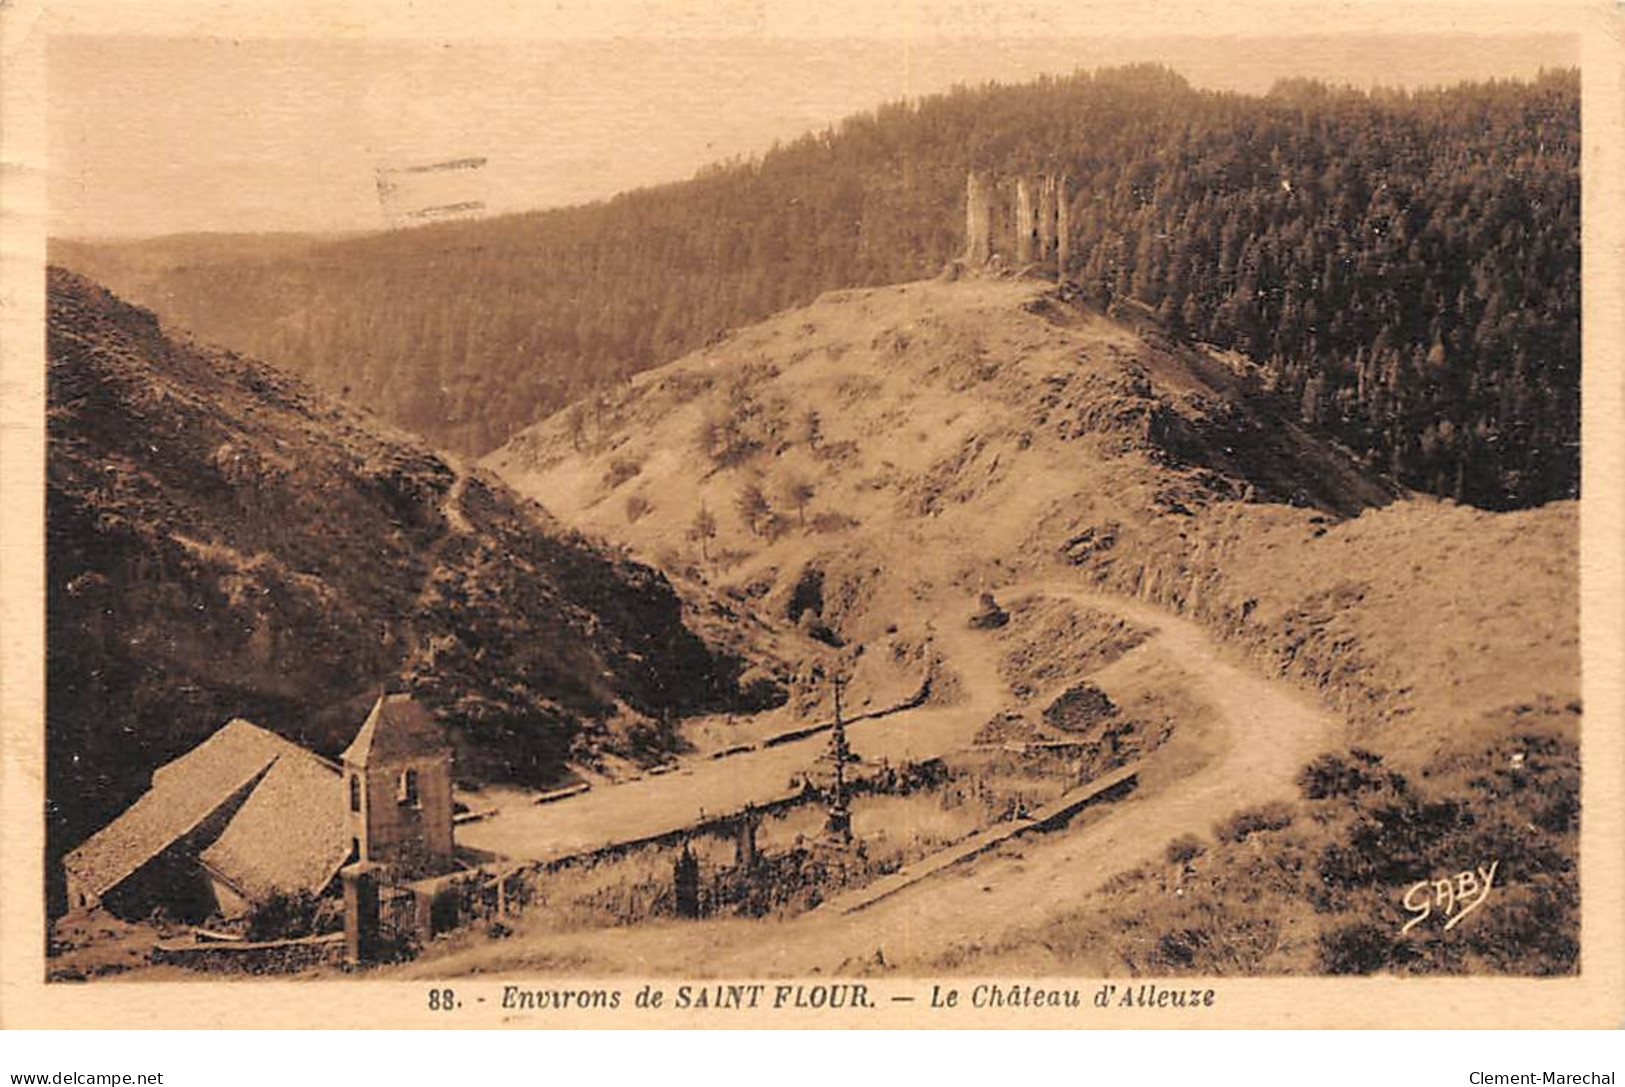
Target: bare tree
[(575, 420), (753, 508), (812, 428), (703, 529), (798, 490)]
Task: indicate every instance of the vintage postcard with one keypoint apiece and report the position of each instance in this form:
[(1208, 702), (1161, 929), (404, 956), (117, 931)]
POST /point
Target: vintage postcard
[(739, 515)]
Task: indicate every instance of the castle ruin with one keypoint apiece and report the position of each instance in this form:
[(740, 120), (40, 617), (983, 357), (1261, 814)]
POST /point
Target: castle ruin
[(1037, 230)]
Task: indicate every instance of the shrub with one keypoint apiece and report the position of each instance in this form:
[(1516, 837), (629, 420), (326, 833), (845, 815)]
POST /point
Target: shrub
[(636, 507), (284, 916), (807, 594), (1177, 950), (1276, 815), (1395, 844), (830, 522), (620, 470), (1331, 776), (1358, 948), (1079, 708), (1185, 848)]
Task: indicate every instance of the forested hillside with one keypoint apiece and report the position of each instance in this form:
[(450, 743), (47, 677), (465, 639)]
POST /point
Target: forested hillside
[(1403, 267)]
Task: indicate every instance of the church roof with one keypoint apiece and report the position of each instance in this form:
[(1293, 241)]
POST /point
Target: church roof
[(220, 776), (289, 834), (397, 729)]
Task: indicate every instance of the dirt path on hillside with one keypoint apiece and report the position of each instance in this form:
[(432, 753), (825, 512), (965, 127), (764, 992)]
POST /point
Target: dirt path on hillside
[(1260, 733), (1271, 729), (1268, 732), (451, 508)]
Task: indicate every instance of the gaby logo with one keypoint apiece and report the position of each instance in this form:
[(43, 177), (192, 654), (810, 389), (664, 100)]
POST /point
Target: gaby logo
[(1452, 898)]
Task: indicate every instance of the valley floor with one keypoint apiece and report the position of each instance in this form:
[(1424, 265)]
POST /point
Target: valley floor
[(1246, 741)]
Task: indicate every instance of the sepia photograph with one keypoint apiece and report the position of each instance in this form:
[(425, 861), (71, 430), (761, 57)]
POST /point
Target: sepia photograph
[(841, 524)]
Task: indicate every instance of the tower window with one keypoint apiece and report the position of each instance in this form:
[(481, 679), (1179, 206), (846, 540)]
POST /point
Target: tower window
[(355, 792), (408, 792)]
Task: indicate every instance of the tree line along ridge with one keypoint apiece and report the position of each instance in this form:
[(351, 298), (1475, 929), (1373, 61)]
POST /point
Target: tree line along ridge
[(1401, 268)]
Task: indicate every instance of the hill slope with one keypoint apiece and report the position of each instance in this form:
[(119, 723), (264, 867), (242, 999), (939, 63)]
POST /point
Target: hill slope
[(866, 464), (223, 541), (867, 452), (1403, 267)]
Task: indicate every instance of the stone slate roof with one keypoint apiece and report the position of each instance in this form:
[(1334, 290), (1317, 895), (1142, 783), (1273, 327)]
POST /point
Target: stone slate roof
[(286, 836), (397, 729), (289, 834), (184, 794)]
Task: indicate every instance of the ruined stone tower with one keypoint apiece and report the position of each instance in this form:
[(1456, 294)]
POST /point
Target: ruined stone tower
[(1038, 230), (978, 220), (1026, 229), (1046, 219), (1063, 230)]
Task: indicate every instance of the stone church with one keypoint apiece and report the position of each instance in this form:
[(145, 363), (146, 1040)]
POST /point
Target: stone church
[(247, 815)]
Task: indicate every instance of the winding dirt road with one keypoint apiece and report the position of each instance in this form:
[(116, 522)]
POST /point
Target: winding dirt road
[(1255, 735), (1264, 731), (1261, 733)]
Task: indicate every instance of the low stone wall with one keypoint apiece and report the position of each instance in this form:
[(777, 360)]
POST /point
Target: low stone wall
[(263, 957)]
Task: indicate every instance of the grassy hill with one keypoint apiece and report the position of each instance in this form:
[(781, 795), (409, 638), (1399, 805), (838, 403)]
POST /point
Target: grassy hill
[(1402, 268), (224, 541), (890, 443), (864, 464)]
